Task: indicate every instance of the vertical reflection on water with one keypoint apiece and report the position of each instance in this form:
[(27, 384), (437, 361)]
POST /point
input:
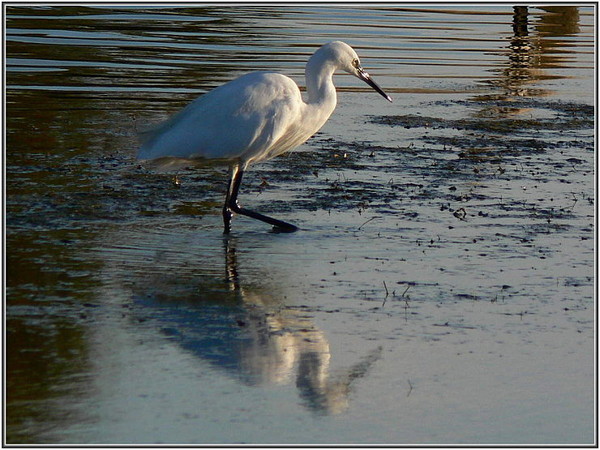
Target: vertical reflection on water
[(535, 57), (558, 21), (531, 57), (282, 338), (325, 392), (241, 328)]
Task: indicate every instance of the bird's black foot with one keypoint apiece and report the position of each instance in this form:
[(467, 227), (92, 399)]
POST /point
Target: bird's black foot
[(279, 226), (284, 227), (232, 207)]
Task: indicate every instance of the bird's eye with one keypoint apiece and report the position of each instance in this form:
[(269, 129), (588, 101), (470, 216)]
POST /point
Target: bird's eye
[(356, 63)]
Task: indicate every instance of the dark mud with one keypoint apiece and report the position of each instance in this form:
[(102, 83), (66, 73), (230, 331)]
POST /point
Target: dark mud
[(452, 165)]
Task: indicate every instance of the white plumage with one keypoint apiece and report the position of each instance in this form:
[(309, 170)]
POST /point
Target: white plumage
[(253, 118)]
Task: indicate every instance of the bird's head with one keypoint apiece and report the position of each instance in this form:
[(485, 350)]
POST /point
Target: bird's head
[(345, 58)]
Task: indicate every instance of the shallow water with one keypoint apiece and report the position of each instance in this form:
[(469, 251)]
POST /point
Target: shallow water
[(440, 291)]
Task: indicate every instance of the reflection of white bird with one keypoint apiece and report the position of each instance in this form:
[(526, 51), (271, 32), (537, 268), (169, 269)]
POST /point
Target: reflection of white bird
[(254, 118)]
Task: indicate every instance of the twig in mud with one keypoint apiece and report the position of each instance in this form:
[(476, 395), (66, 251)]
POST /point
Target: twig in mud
[(406, 305), (387, 293), (372, 218), (405, 290), (574, 203)]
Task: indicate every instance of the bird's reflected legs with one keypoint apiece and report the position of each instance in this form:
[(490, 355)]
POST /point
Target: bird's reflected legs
[(231, 206), (231, 264), (227, 215)]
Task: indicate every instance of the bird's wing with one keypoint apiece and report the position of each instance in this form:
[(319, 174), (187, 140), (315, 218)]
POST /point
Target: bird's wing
[(240, 119)]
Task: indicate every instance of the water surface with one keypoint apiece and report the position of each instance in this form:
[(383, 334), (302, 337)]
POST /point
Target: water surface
[(440, 290)]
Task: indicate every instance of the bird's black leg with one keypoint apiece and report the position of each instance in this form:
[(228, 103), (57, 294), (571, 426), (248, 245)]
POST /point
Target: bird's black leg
[(227, 213), (231, 206)]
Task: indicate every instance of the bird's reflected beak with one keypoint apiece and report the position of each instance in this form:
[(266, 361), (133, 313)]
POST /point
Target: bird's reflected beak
[(367, 79)]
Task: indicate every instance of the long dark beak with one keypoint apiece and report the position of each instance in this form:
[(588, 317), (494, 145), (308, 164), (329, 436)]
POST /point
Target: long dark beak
[(367, 79)]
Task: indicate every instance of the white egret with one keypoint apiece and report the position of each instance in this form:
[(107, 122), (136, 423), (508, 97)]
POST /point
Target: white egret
[(254, 118)]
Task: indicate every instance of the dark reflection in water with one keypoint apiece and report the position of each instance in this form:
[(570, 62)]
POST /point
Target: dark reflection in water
[(251, 334), (534, 56), (111, 48), (49, 300), (46, 362)]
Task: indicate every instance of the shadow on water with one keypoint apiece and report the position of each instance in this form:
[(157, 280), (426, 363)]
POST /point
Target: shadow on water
[(245, 330)]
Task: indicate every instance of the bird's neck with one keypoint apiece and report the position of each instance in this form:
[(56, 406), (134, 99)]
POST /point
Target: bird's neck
[(319, 84)]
